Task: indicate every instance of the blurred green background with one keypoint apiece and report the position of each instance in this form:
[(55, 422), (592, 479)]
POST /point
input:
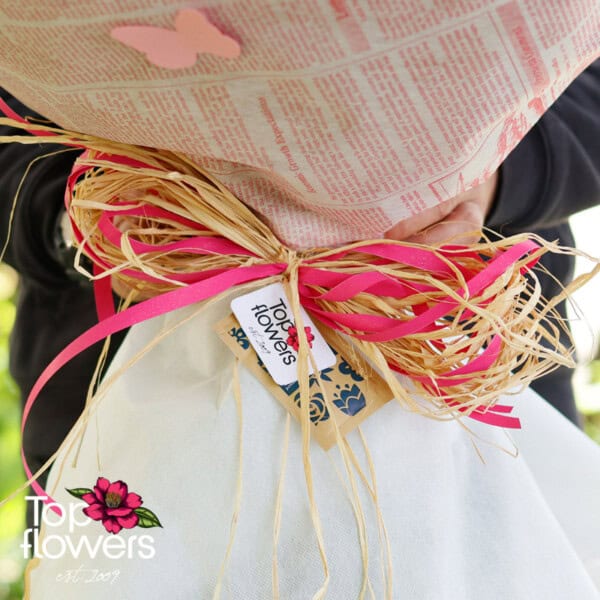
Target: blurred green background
[(12, 515)]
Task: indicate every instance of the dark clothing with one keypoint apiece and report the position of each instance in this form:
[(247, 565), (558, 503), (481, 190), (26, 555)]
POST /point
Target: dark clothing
[(556, 387), (553, 173), (52, 307)]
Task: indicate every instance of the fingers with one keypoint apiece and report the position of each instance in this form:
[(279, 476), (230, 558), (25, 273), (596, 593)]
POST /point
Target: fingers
[(462, 226), (458, 220), (417, 223)]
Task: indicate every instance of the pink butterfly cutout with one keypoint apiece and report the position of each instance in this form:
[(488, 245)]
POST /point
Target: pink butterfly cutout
[(194, 34)]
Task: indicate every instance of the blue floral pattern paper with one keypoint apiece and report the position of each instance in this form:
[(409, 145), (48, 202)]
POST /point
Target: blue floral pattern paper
[(353, 396)]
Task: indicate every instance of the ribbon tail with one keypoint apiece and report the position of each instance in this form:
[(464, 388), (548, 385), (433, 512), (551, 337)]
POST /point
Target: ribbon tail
[(148, 309)]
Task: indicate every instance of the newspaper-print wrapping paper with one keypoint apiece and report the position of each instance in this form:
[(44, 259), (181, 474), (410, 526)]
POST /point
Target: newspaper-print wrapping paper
[(338, 118)]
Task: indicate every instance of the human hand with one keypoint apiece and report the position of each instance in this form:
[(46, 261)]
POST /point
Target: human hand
[(458, 220)]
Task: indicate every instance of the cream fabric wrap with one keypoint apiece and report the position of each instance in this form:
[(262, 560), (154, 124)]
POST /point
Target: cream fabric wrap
[(517, 528)]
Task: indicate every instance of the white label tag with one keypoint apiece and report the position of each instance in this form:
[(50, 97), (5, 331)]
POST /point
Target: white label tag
[(266, 318)]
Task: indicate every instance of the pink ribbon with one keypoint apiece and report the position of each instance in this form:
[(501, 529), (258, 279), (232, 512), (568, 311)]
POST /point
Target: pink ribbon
[(203, 285)]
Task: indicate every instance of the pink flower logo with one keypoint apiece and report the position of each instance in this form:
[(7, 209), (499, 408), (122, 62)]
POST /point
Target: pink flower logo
[(114, 505), (293, 337)]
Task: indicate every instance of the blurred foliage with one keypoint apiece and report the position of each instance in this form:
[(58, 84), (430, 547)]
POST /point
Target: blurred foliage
[(12, 514), (595, 371), (592, 426), (592, 393)]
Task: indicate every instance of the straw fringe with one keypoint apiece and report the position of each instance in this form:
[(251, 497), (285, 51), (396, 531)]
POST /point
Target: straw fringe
[(237, 394), (511, 307)]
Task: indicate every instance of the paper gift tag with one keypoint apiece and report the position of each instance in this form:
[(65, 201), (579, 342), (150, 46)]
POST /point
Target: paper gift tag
[(266, 318), (354, 391)]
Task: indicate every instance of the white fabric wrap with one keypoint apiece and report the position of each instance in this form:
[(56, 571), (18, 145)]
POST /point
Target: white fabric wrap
[(518, 528)]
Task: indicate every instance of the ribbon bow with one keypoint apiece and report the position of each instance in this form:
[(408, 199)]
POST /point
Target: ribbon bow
[(456, 320)]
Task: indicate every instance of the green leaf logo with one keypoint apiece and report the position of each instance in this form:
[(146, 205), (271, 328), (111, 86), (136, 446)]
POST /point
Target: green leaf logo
[(147, 517), (79, 492)]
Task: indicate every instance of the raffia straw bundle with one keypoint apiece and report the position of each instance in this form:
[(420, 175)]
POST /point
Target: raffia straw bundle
[(512, 307), (137, 213), (114, 176)]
